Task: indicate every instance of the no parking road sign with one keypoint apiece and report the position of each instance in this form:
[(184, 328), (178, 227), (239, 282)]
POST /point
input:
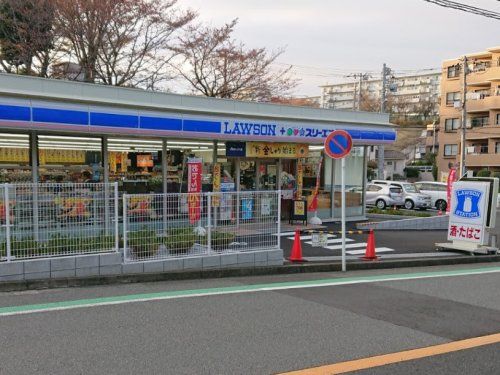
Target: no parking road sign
[(338, 144)]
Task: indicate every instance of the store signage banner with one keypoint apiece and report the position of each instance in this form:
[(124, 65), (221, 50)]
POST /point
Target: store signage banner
[(194, 188), (276, 150), (468, 211), (236, 149)]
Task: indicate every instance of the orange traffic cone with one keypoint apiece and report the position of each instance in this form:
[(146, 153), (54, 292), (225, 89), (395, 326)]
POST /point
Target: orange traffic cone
[(370, 247), (296, 255)]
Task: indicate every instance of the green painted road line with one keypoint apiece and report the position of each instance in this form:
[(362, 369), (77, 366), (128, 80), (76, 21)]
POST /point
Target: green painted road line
[(176, 294)]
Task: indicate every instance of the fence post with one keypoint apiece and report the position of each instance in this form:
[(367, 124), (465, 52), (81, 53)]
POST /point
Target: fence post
[(36, 219), (209, 222), (107, 212), (125, 247), (279, 219), (117, 229), (7, 222)]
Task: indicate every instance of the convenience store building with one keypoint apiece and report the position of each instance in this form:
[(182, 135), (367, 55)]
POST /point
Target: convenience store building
[(63, 131)]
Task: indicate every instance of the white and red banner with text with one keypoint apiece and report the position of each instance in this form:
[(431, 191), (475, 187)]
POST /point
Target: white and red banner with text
[(195, 169)]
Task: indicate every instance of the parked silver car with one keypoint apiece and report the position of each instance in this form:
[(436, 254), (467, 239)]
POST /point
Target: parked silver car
[(382, 196), (412, 197), (437, 191)]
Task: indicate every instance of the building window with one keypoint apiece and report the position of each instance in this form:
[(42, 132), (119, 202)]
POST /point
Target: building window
[(450, 150), (480, 148), (497, 148), (452, 97), (453, 71), (498, 119), (451, 124)]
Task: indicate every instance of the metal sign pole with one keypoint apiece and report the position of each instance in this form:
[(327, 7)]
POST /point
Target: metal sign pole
[(342, 187)]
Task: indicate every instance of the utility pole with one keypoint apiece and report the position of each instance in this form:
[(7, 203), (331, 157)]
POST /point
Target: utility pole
[(356, 102), (380, 161), (464, 116)]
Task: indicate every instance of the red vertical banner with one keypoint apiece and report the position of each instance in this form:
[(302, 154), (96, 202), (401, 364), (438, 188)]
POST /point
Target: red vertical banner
[(452, 175), (313, 206), (194, 188)]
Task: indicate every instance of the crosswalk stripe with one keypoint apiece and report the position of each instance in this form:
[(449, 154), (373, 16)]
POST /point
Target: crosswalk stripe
[(310, 237), (284, 234), (335, 240), (347, 246), (377, 250)]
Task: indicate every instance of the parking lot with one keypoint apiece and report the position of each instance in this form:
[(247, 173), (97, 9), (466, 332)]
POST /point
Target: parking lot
[(389, 244)]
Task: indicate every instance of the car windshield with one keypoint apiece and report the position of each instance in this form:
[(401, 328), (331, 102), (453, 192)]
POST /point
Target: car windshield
[(409, 188)]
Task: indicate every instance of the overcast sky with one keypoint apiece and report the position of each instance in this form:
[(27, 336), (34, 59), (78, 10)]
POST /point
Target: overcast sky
[(327, 39)]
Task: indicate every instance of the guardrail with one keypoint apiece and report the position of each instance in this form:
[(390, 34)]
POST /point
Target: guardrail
[(56, 219), (162, 226)]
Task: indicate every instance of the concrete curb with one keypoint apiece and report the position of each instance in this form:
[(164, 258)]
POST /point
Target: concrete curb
[(240, 272)]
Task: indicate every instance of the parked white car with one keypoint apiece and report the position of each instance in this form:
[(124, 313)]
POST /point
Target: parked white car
[(413, 198), (382, 196), (437, 191)]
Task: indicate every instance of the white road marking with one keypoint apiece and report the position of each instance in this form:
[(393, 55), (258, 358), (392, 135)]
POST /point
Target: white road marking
[(377, 250)]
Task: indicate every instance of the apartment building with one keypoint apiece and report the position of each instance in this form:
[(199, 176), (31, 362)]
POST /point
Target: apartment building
[(483, 112), (403, 92)]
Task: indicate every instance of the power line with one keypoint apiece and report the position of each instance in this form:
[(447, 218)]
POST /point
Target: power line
[(466, 8)]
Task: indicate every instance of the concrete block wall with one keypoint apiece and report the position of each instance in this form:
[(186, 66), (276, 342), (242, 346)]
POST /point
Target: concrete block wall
[(112, 264), (418, 223)]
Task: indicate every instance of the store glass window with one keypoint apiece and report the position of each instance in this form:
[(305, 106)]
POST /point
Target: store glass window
[(354, 181), (69, 159), (14, 158), (315, 160)]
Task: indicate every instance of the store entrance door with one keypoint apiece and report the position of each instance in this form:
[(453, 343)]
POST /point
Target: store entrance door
[(267, 174)]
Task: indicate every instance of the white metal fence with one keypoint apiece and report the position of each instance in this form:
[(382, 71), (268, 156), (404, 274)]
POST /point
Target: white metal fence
[(55, 219), (160, 226)]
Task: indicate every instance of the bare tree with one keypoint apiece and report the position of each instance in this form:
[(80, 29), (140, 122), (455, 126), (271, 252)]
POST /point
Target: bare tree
[(136, 49), (121, 42), (368, 102), (216, 65), (26, 35)]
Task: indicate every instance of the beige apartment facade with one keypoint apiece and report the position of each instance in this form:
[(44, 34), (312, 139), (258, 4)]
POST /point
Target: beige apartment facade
[(483, 112)]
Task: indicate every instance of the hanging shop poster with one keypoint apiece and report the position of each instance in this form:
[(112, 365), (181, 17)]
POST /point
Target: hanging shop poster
[(226, 201), (276, 150), (216, 184), (300, 179), (299, 211), (265, 206), (246, 208), (194, 167)]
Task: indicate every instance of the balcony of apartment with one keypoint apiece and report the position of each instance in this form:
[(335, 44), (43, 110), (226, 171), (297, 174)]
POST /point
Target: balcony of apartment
[(483, 100), (482, 73), (481, 155)]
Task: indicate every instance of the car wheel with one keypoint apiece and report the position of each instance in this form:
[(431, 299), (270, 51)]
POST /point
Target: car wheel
[(441, 205), (409, 204), (380, 204)]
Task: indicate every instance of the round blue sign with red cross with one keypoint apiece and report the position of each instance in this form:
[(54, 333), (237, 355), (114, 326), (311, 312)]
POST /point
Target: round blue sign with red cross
[(338, 144)]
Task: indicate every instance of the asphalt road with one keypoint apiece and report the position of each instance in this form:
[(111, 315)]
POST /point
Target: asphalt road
[(255, 325)]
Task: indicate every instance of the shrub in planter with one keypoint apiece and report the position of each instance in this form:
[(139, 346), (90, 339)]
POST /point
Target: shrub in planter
[(222, 240), (181, 240), (144, 243)]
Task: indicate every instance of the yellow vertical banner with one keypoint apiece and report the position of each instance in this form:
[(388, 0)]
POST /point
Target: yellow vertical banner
[(216, 184), (300, 179)]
